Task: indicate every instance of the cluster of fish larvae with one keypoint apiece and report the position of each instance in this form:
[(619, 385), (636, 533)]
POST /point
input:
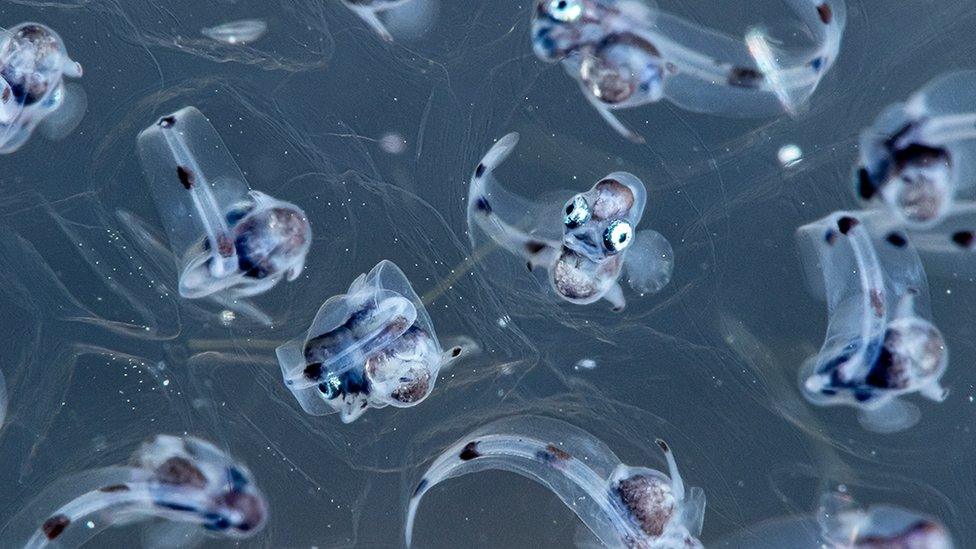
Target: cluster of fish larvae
[(373, 346)]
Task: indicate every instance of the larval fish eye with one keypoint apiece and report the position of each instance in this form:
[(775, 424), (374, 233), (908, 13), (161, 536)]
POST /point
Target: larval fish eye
[(622, 506), (229, 241), (618, 236), (374, 346), (583, 250), (626, 53), (918, 157), (566, 11), (33, 65), (184, 480), (879, 345), (577, 212)]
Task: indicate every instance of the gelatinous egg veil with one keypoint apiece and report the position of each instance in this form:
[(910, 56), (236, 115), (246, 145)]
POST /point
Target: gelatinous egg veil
[(702, 337)]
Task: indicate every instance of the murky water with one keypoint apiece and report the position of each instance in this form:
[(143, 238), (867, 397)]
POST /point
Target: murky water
[(101, 352)]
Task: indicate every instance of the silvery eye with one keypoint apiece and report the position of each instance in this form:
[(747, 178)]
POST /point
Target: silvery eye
[(566, 11), (577, 212), (618, 236)]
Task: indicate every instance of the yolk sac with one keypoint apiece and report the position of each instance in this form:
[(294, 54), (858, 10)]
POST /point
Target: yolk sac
[(622, 506), (585, 250), (373, 346), (919, 157), (879, 345), (183, 480), (33, 65), (625, 54), (230, 242)]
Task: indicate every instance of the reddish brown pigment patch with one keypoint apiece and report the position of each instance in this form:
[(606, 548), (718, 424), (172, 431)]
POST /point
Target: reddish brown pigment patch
[(185, 176), (54, 526), (180, 471), (964, 239), (826, 14), (470, 451), (877, 303), (649, 501), (558, 453), (846, 223)]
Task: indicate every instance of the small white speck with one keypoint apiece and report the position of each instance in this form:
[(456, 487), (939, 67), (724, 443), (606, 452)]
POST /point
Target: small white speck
[(790, 155)]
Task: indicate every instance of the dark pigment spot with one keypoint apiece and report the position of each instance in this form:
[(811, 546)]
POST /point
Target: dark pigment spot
[(826, 14), (830, 238), (483, 205), (557, 452), (865, 186), (480, 170), (470, 451), (313, 372), (114, 488), (53, 526), (534, 247), (846, 223), (455, 352), (420, 486), (167, 122), (963, 239), (186, 177), (745, 77), (180, 471), (897, 240)]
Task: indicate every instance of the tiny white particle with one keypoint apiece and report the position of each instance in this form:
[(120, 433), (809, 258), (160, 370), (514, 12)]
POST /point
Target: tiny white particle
[(790, 155)]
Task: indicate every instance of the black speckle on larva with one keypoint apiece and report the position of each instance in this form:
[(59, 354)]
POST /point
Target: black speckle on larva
[(167, 122), (480, 170), (897, 240), (846, 223), (54, 526), (826, 14), (470, 451), (482, 205), (534, 247), (830, 238), (865, 186), (185, 176), (455, 352), (963, 239), (114, 488), (313, 372), (420, 487), (744, 77)]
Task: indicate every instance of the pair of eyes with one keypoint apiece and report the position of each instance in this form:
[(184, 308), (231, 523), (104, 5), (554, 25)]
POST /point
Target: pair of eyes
[(566, 11), (616, 237)]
